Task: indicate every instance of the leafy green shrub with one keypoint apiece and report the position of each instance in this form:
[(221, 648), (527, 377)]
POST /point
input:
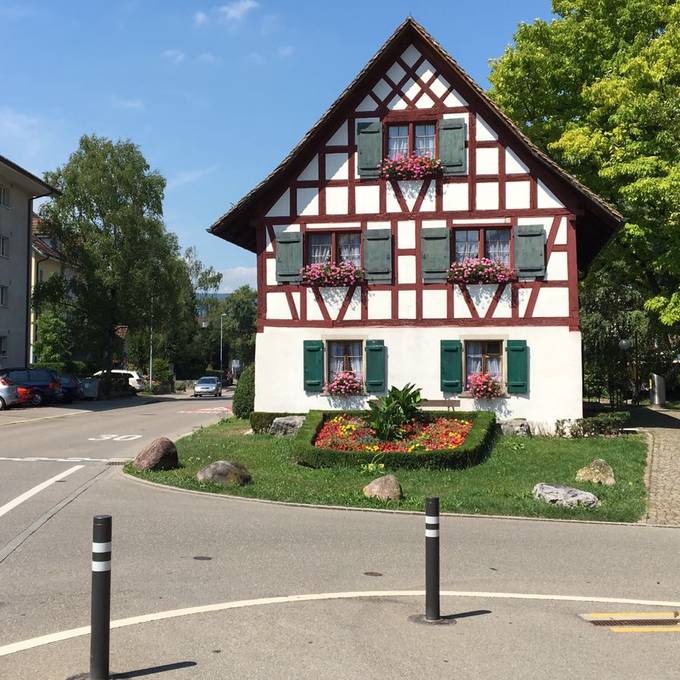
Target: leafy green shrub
[(261, 421), (603, 424), (244, 395), (390, 413), (472, 451)]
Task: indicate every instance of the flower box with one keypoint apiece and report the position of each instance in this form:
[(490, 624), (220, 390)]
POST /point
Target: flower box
[(484, 386), (330, 274), (345, 384), (480, 270), (410, 167)]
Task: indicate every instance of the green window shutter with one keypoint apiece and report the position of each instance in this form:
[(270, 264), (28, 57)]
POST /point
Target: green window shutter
[(369, 142), (376, 366), (435, 253), (378, 255), (518, 366), (451, 366), (452, 132), (288, 257), (313, 365), (530, 250)]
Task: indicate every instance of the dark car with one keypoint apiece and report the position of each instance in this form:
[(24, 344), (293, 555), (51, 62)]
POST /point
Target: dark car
[(71, 388), (43, 383)]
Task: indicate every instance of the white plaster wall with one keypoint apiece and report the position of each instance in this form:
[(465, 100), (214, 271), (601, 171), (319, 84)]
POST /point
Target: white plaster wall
[(407, 304), (545, 198), (425, 102), (367, 199), (379, 304), (337, 166), (552, 302), (311, 172), (406, 266), (336, 200), (339, 137), (455, 196), (395, 73), (484, 131), (271, 271), (460, 308), (487, 195), (406, 234), (517, 194), (277, 306), (282, 206), (561, 238), (513, 164), (453, 99), (308, 201), (382, 90), (487, 161), (410, 55), (439, 86), (414, 356), (434, 304), (558, 267), (429, 200)]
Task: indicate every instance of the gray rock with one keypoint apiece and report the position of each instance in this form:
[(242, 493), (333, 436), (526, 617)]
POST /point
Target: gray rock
[(286, 425), (518, 427), (564, 496), (160, 454), (598, 472), (385, 488), (226, 473)]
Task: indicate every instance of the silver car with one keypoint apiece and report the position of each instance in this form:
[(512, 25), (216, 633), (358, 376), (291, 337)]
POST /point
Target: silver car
[(8, 392), (208, 387)]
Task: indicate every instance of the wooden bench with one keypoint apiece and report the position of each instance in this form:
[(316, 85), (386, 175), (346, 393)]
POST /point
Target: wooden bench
[(440, 403)]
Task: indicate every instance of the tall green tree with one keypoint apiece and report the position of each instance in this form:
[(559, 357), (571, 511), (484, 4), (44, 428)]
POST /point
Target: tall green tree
[(599, 89), (108, 221), (240, 324)]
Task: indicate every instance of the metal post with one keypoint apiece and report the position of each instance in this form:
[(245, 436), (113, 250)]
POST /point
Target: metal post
[(221, 371), (432, 559), (101, 598)]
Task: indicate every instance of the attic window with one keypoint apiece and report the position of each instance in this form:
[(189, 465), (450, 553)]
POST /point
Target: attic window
[(4, 196), (411, 140)]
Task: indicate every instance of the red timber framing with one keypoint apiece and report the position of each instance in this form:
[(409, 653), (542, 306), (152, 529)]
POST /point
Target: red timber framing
[(578, 201)]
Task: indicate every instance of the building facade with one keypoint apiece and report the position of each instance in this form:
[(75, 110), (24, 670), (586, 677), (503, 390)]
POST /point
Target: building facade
[(18, 188), (483, 192)]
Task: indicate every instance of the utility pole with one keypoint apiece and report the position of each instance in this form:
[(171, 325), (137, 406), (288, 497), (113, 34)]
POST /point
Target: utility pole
[(221, 345), (151, 350)]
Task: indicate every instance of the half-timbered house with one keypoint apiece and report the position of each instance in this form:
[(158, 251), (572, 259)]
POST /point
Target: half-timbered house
[(489, 193)]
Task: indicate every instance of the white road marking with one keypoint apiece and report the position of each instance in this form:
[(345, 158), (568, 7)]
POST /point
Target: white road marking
[(45, 459), (239, 604), (37, 489), (114, 437)]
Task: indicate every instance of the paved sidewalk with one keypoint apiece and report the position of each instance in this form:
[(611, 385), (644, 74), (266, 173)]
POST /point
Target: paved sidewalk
[(663, 426)]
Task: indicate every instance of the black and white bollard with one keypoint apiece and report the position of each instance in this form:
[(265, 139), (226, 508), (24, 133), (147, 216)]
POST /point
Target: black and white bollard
[(432, 559), (101, 598)]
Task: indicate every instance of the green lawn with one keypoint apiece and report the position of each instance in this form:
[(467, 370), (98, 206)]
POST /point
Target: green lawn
[(500, 485)]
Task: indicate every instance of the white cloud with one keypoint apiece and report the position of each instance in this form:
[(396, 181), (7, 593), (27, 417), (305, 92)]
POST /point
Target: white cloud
[(29, 139), (237, 10), (200, 18), (175, 56), (208, 58), (286, 51), (255, 58), (235, 277), (129, 104), (189, 176)]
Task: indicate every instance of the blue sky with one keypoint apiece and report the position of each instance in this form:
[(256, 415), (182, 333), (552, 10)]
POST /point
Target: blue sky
[(214, 93)]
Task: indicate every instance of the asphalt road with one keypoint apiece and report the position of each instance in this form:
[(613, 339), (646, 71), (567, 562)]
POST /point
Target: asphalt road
[(250, 550)]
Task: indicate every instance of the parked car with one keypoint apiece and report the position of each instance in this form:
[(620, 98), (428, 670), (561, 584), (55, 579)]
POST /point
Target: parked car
[(44, 384), (208, 386), (135, 378), (71, 388), (8, 393)]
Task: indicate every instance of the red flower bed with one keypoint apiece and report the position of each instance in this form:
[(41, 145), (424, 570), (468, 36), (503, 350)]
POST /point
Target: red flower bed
[(351, 433)]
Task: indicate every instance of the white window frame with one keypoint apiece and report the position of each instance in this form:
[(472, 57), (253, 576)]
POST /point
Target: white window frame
[(327, 355), (478, 337)]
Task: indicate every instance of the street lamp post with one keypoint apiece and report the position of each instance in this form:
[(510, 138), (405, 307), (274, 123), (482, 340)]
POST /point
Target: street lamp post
[(221, 346)]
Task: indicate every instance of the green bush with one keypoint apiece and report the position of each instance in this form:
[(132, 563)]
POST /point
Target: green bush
[(244, 395), (261, 421), (472, 451), (611, 423), (390, 413)]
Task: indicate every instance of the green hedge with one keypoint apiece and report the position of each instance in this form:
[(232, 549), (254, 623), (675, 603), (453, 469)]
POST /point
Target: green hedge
[(472, 451), (244, 394), (261, 421)]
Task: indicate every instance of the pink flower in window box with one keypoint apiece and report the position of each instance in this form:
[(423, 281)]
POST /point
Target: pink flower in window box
[(410, 167), (484, 386), (480, 270), (331, 274), (345, 384)]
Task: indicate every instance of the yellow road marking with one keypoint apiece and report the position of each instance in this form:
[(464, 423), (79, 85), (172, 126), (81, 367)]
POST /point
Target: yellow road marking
[(618, 616)]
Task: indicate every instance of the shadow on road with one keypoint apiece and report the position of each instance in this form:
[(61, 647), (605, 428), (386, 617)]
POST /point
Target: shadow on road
[(641, 416), (155, 669)]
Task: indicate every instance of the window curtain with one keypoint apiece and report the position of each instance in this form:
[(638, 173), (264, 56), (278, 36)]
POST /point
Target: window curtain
[(493, 366), (319, 248), (424, 140), (397, 141), (344, 356), (473, 357), (349, 248), (467, 244), (498, 245)]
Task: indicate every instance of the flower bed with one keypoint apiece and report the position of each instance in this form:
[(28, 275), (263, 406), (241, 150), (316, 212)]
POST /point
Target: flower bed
[(410, 167), (330, 274), (440, 440), (480, 270), (351, 433), (345, 384)]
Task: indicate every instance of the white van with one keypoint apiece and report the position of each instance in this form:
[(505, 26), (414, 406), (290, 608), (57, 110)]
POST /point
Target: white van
[(135, 378)]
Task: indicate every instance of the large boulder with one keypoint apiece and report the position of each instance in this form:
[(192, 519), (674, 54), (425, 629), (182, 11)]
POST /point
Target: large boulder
[(286, 425), (160, 454), (598, 472), (226, 473), (519, 427), (564, 496), (385, 488)]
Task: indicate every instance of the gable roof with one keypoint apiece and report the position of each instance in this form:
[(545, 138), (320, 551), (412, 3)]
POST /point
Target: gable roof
[(35, 185), (237, 225)]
